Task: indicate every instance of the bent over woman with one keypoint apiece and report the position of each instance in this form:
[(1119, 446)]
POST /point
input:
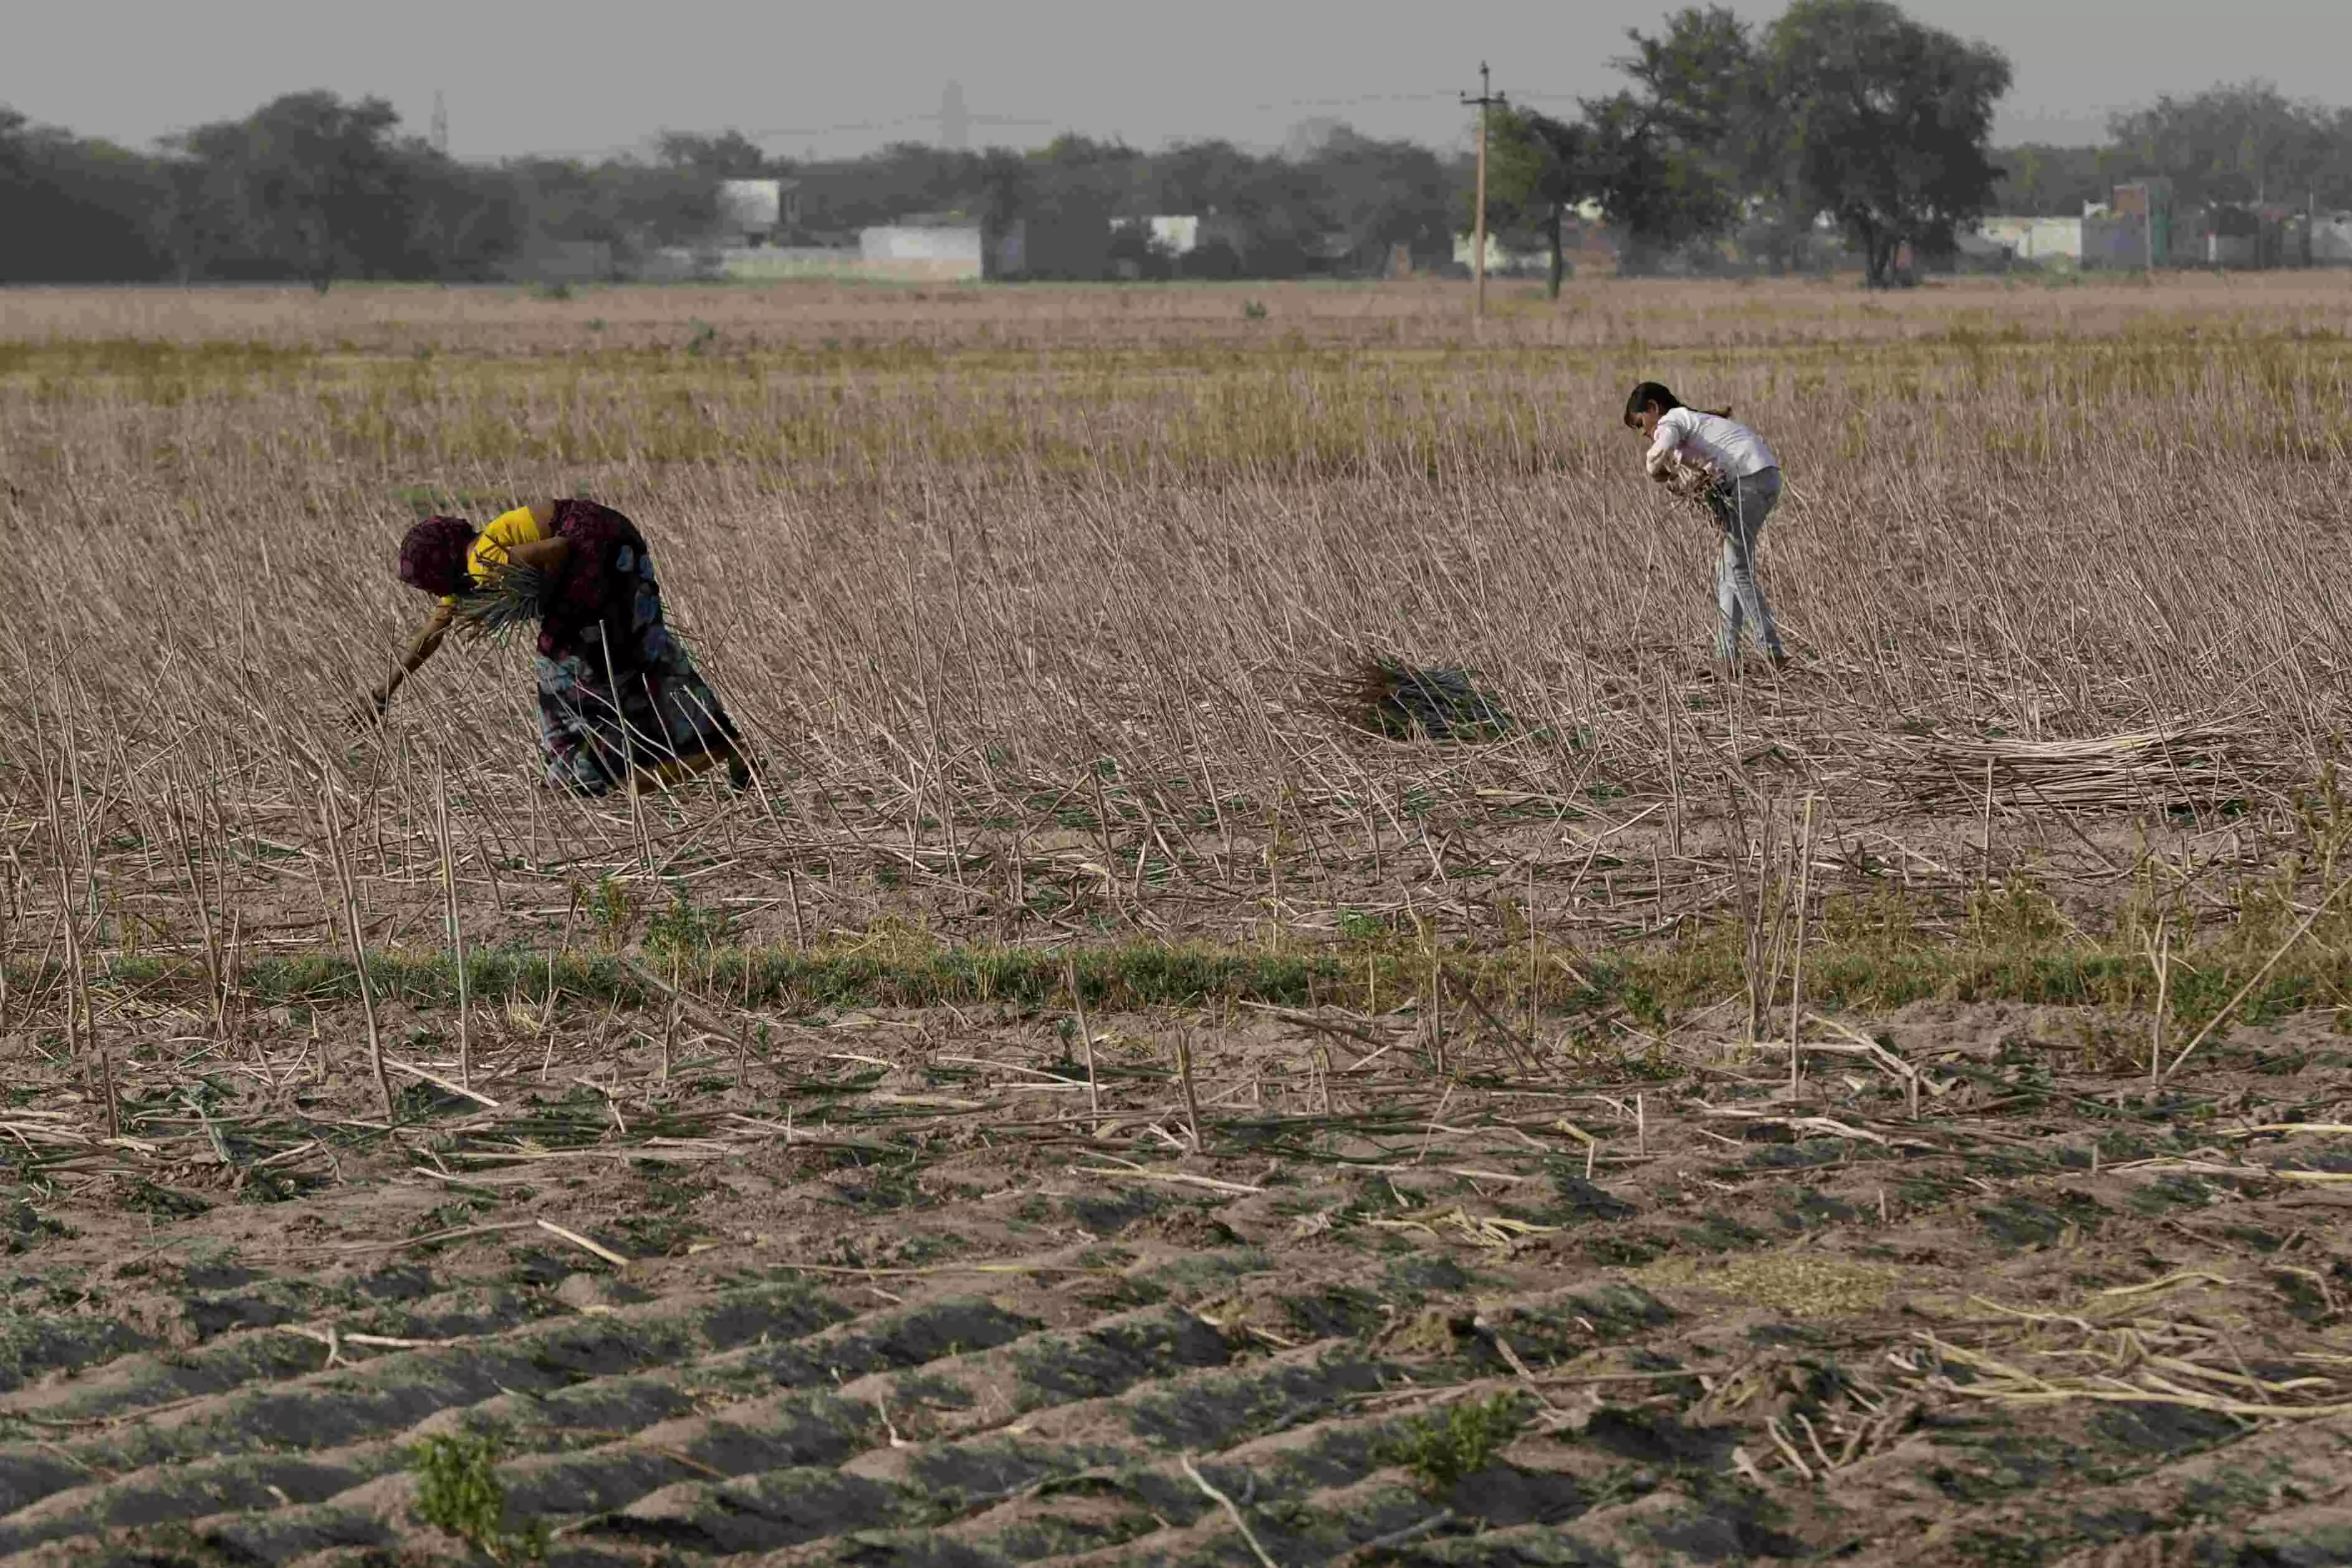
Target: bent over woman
[(620, 701)]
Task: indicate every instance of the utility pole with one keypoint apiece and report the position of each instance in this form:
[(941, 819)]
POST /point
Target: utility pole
[(1486, 100), (440, 125)]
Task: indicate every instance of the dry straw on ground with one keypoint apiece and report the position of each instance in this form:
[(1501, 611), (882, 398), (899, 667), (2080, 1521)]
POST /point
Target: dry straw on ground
[(1009, 587)]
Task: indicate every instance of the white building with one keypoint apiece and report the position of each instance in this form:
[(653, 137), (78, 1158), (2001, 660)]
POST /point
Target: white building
[(1499, 259), (2099, 238), (2034, 239), (1176, 235), (757, 212), (2331, 240), (949, 252)]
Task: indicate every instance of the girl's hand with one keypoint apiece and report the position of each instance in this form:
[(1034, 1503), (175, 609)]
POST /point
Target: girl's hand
[(1689, 481)]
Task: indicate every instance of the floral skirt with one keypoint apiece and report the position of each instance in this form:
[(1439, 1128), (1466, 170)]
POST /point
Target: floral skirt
[(625, 697)]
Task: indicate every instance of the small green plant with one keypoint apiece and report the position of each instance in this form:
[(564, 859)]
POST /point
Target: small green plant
[(613, 908), (1883, 924), (685, 930), (556, 289), (1462, 1440), (2016, 915), (458, 1491), (1253, 312), (704, 335), (1357, 926)]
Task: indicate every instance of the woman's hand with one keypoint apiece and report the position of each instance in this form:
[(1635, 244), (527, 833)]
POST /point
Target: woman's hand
[(369, 710)]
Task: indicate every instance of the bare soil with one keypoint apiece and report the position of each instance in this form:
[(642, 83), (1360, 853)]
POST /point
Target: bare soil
[(894, 1289)]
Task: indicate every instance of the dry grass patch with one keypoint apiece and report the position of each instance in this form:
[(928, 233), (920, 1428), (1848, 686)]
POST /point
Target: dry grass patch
[(1802, 1284)]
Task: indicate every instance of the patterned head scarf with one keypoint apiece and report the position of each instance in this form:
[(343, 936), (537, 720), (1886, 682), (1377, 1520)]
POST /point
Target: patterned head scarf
[(432, 556)]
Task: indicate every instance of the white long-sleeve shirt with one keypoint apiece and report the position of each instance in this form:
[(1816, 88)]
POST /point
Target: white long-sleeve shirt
[(1725, 445)]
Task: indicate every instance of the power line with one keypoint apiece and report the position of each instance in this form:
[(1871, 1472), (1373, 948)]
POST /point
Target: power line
[(1360, 98), (778, 134)]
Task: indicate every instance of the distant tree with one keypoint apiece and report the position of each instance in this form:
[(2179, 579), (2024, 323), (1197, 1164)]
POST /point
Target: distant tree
[(2058, 181), (2244, 142), (903, 179), (1200, 177), (1537, 170), (652, 204), (564, 202), (998, 181), (307, 185), (1702, 82), (465, 223), (1270, 212), (728, 155), (201, 222), (1070, 150), (73, 210), (1372, 196), (1886, 122), (1663, 195)]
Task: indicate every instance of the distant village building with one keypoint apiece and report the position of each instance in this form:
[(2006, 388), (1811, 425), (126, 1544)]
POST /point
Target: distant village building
[(2032, 238), (940, 249), (1501, 259), (2144, 223), (2101, 238), (2148, 203), (1178, 236), (754, 212), (2331, 239)]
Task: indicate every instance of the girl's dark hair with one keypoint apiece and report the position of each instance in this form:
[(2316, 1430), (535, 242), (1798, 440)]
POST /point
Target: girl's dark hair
[(1649, 392), (1646, 393)]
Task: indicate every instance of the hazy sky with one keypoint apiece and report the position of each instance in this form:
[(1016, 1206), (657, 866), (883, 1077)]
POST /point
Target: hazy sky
[(586, 76)]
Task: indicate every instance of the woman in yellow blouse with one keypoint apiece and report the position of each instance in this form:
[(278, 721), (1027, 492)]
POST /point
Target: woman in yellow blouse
[(619, 698)]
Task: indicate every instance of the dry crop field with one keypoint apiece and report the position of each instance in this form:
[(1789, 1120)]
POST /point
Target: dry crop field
[(1094, 1098)]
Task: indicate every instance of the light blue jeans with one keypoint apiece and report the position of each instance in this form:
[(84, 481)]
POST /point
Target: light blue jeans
[(1740, 506)]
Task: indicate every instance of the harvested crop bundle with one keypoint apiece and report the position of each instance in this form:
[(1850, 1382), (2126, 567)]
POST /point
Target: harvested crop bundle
[(510, 595), (1402, 701), (2197, 764)]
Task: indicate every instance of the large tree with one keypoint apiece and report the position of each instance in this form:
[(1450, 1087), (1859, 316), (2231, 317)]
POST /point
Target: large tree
[(1376, 195), (73, 210), (1670, 158), (465, 222), (307, 184), (1701, 84), (1663, 195), (1886, 122)]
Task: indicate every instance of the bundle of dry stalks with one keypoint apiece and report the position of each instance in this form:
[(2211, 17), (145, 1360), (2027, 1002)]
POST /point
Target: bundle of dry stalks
[(2201, 764), (514, 595), (1388, 697)]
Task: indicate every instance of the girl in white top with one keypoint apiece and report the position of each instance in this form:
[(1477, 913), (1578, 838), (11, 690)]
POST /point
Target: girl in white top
[(1708, 454)]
